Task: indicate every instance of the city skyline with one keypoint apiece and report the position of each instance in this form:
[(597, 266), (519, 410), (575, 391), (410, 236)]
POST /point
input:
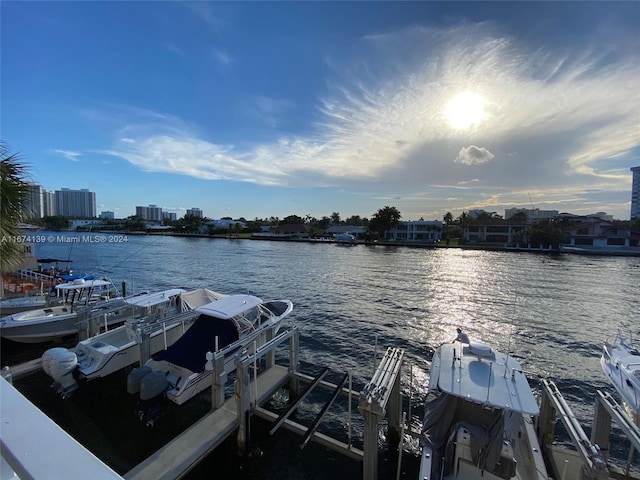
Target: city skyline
[(273, 109)]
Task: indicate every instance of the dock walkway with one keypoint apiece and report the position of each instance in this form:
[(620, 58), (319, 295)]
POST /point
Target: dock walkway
[(179, 456)]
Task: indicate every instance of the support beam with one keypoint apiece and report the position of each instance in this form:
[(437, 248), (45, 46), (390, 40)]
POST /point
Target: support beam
[(324, 410), (278, 423)]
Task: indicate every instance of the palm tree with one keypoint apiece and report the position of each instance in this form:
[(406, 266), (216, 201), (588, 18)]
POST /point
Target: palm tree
[(13, 198), (384, 219)]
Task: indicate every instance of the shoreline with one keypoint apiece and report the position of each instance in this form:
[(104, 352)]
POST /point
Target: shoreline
[(593, 251)]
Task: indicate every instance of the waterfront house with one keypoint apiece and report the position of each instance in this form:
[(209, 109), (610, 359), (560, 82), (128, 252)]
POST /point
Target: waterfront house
[(496, 230), (426, 231), (593, 232)]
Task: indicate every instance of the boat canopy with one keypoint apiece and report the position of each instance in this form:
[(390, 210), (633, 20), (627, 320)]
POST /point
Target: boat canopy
[(199, 297), (156, 298), (81, 283), (479, 374), (229, 307)]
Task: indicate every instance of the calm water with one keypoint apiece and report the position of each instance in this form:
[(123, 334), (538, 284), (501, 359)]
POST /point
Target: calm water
[(552, 311)]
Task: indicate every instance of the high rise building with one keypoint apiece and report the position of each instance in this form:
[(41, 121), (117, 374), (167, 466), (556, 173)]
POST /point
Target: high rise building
[(152, 212), (76, 203), (34, 207), (635, 193), (196, 212), (48, 203)]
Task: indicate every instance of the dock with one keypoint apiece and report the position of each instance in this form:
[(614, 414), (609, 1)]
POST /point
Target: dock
[(53, 453), (179, 456)]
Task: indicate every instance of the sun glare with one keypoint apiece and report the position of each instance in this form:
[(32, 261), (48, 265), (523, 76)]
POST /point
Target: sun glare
[(465, 110)]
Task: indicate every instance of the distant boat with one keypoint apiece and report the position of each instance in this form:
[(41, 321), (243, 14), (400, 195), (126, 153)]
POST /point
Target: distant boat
[(33, 299), (52, 322), (345, 238), (620, 362)]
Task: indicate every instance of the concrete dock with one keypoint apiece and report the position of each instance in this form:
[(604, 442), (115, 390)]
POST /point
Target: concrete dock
[(179, 456)]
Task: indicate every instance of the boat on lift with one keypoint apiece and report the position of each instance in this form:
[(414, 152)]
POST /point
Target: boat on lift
[(232, 324), (478, 419), (59, 318), (160, 317), (620, 362)]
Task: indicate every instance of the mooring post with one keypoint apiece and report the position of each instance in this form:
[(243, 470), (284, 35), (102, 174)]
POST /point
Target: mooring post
[(381, 392), (243, 404), (215, 363), (546, 420), (601, 428), (373, 415), (270, 356), (294, 364), (395, 412), (145, 347)]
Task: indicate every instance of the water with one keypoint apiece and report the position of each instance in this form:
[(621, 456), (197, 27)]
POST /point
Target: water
[(553, 311)]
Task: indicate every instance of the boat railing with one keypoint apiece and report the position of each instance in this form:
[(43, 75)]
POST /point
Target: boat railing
[(147, 326)]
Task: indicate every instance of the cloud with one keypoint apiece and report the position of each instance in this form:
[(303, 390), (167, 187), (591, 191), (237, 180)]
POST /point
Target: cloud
[(69, 154), (473, 155), (221, 57), (552, 121)]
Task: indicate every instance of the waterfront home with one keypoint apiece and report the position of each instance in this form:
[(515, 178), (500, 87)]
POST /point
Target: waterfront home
[(597, 233), (427, 231), (496, 230)]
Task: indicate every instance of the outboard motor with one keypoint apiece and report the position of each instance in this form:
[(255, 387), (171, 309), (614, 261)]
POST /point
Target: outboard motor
[(134, 379), (153, 387), (60, 363)]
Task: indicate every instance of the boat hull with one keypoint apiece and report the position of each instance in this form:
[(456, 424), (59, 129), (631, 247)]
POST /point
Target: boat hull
[(40, 331), (114, 350), (620, 363)]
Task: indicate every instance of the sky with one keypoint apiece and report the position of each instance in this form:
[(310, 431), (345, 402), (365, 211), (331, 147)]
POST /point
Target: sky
[(271, 109)]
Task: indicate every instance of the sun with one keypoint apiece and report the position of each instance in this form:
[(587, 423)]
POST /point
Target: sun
[(465, 110)]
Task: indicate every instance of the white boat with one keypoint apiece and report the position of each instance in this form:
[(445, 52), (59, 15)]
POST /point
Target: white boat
[(59, 318), (230, 324), (620, 362), (31, 301), (345, 238), (478, 418), (161, 316)]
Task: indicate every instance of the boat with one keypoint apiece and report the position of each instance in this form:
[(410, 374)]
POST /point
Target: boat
[(478, 419), (345, 238), (231, 324), (33, 299), (162, 317), (620, 362), (58, 319), (30, 301)]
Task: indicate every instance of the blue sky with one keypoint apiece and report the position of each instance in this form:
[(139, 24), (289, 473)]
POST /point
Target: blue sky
[(266, 109)]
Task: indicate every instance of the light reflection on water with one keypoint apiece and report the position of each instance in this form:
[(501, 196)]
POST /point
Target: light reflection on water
[(553, 312)]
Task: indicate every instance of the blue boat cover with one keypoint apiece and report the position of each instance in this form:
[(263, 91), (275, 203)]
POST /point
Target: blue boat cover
[(70, 277), (190, 350)]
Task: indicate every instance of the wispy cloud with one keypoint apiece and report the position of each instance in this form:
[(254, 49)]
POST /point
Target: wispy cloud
[(221, 57), (68, 154), (551, 121)]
